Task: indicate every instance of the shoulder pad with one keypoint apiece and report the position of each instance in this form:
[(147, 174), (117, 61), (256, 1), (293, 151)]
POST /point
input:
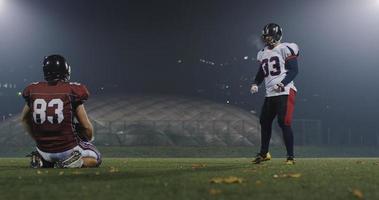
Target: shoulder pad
[(259, 55), (289, 50), (79, 91), (27, 90), (75, 83)]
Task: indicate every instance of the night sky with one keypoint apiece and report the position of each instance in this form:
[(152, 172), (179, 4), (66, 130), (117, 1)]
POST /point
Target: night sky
[(198, 48)]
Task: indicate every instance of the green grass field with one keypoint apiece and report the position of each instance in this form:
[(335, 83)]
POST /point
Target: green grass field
[(190, 178)]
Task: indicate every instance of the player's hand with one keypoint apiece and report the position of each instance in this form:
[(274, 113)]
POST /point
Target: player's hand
[(279, 87), (254, 89), (80, 132)]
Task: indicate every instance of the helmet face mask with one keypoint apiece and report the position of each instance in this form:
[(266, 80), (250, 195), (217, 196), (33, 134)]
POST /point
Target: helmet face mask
[(272, 35), (269, 40), (56, 68)]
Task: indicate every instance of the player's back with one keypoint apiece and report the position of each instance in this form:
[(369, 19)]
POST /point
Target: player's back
[(53, 110)]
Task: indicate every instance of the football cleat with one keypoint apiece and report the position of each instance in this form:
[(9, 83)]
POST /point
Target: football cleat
[(290, 161), (261, 158), (74, 161), (35, 160)]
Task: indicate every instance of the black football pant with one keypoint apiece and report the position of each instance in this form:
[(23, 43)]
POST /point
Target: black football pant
[(282, 107)]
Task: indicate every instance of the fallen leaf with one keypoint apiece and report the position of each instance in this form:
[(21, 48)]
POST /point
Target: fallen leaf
[(290, 175), (227, 180), (294, 175), (113, 170), (357, 193), (198, 166), (61, 173), (76, 172), (233, 179), (39, 172), (214, 191), (216, 180)]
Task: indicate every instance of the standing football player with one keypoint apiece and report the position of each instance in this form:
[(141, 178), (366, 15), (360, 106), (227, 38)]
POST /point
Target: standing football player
[(49, 114), (278, 68)]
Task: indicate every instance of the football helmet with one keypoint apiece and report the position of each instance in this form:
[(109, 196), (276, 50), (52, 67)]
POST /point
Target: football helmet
[(272, 34), (55, 68)]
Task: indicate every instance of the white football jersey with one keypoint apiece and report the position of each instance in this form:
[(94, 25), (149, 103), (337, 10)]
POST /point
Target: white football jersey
[(273, 64)]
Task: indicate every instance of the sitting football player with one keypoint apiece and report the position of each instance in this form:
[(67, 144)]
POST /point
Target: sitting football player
[(49, 114)]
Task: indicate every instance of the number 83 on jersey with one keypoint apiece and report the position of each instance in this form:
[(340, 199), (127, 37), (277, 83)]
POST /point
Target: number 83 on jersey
[(40, 107)]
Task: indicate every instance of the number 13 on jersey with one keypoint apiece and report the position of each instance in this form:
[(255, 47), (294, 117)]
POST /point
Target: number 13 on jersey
[(271, 66)]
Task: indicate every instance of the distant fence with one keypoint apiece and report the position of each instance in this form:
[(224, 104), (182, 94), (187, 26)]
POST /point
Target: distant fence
[(307, 132), (155, 133), (198, 133), (177, 132)]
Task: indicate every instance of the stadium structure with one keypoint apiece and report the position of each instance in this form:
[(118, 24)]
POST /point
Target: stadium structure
[(158, 120)]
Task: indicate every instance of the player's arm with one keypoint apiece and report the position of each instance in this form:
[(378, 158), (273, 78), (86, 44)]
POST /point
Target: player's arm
[(290, 53), (259, 77), (293, 69), (26, 119), (86, 125)]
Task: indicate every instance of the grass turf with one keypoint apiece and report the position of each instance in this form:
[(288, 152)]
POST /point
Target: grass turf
[(213, 152), (189, 178)]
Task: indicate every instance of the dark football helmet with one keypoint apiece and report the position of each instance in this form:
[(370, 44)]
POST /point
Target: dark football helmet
[(272, 34), (55, 68)]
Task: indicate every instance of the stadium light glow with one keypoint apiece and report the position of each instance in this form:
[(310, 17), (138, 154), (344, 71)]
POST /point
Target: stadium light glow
[(2, 4)]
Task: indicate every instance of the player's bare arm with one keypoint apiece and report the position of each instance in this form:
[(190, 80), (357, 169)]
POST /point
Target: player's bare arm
[(86, 125), (26, 119), (87, 130)]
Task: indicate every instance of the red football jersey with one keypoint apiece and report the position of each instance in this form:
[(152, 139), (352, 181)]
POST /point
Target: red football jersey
[(53, 111)]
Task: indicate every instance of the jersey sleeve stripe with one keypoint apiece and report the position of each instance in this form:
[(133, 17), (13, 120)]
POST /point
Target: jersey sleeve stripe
[(291, 57), (292, 51)]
